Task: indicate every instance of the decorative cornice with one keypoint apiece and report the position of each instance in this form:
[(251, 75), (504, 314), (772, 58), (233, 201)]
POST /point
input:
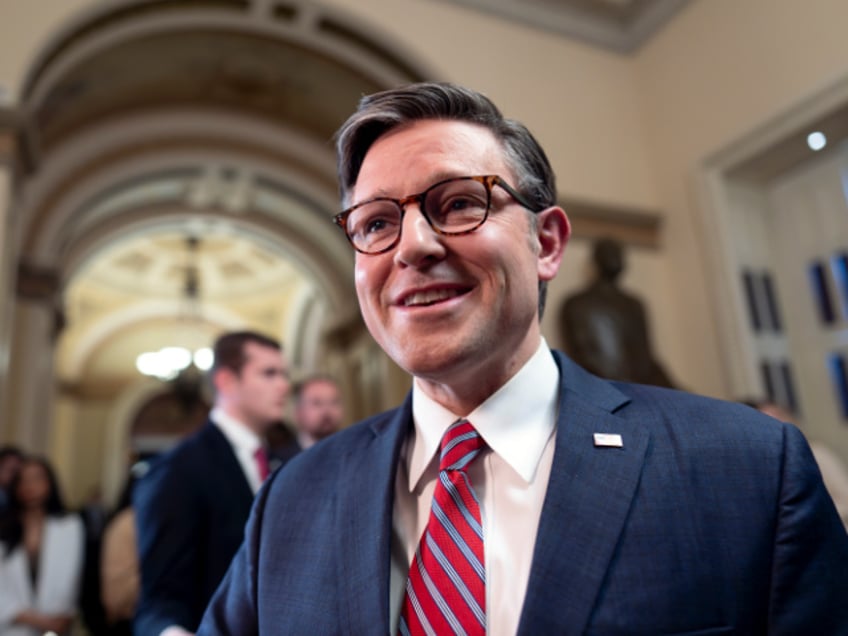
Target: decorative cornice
[(35, 282), (41, 285), (621, 27), (629, 226)]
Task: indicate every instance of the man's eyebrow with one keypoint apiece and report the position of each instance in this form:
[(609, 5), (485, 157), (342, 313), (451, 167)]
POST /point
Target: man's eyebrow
[(442, 175)]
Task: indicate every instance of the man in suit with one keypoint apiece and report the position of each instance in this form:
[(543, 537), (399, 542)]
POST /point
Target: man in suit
[(192, 505), (561, 503), (318, 412)]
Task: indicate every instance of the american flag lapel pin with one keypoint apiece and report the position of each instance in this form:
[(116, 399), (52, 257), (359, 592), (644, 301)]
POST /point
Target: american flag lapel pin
[(608, 440)]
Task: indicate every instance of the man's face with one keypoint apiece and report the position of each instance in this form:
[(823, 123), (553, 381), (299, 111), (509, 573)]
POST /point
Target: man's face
[(257, 395), (450, 309), (319, 409)]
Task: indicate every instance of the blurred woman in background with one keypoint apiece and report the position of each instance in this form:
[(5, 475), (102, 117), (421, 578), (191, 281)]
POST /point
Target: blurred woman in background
[(41, 556)]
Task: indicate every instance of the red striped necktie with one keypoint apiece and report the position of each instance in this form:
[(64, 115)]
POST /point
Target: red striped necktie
[(446, 588)]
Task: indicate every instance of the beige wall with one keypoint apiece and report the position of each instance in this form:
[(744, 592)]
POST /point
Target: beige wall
[(26, 27), (77, 444), (582, 103), (723, 68)]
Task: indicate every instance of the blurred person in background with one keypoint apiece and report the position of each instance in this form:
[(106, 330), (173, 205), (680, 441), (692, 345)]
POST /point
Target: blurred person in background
[(119, 569), (192, 505), (93, 515), (41, 555), (10, 462), (318, 413)]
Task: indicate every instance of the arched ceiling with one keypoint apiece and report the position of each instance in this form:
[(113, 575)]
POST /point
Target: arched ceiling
[(294, 62), (257, 76), (149, 121), (131, 297), (229, 266)]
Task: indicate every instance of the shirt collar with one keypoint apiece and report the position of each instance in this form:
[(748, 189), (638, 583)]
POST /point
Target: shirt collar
[(238, 434), (515, 422)]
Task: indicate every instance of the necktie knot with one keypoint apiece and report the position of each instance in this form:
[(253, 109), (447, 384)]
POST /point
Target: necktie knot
[(460, 445)]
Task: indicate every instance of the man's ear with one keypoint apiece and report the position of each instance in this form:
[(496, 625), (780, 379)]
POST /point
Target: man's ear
[(552, 231), (223, 379)]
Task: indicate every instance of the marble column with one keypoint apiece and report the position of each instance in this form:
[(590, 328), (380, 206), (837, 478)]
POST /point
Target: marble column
[(32, 387), (8, 251)]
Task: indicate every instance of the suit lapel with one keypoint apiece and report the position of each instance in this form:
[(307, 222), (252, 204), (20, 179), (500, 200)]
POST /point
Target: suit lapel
[(587, 501), (365, 512), (223, 456), (586, 505)]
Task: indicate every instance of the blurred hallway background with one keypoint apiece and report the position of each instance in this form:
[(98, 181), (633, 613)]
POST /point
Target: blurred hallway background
[(167, 173)]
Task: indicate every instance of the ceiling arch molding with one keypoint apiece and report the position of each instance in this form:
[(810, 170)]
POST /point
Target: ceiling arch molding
[(94, 114), (71, 203), (136, 94), (165, 142), (307, 64), (266, 232)]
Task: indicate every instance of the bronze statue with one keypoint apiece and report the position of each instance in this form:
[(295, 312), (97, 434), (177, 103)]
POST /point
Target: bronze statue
[(605, 330)]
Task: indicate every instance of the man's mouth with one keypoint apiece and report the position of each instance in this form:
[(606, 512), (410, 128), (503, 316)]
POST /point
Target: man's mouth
[(430, 297)]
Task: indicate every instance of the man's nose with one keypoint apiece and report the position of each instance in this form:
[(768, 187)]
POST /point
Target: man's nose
[(418, 240)]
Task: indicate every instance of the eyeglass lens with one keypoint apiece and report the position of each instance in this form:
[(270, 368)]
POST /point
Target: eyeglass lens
[(452, 207)]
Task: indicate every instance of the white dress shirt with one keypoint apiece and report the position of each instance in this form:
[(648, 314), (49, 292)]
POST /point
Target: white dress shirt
[(244, 442), (510, 477)]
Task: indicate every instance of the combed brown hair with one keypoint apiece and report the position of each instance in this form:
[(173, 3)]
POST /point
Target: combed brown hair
[(229, 349)]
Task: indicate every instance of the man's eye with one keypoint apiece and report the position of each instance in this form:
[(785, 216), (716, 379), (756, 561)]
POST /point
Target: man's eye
[(460, 203), (460, 207), (375, 225)]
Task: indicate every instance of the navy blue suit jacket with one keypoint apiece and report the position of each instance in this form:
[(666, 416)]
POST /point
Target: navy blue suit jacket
[(191, 509), (712, 519)]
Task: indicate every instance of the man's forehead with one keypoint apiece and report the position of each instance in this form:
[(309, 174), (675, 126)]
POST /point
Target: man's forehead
[(255, 350), (415, 156), (319, 386)]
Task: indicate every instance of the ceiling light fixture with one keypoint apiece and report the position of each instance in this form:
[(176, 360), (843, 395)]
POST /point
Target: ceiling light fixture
[(168, 363), (816, 140)]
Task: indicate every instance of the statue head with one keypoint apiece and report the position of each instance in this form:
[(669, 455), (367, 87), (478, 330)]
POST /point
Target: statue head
[(609, 258)]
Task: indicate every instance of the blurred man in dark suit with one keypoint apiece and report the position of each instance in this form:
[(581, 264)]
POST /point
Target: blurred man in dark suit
[(192, 505)]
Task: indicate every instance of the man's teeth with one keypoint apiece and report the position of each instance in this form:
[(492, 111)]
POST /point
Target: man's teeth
[(431, 296)]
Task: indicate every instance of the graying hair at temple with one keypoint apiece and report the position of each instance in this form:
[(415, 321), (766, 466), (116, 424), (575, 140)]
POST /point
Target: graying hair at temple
[(381, 112)]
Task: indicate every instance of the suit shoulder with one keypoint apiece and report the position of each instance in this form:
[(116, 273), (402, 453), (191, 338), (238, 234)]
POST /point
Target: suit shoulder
[(346, 440), (194, 448), (704, 422), (323, 460), (185, 464)]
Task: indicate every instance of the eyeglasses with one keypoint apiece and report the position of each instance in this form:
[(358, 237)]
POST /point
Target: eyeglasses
[(452, 207)]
